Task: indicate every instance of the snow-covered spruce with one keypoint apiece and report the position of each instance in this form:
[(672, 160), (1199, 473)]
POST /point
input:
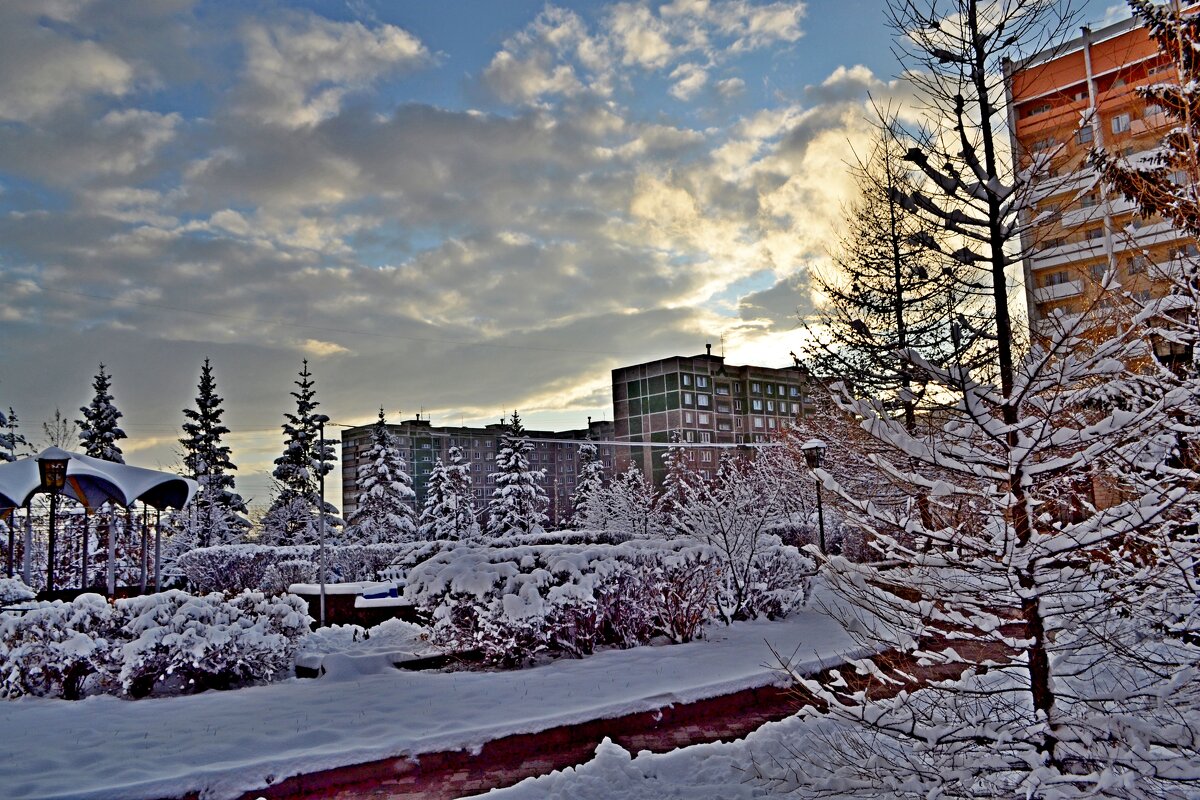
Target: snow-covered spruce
[(98, 428), (590, 481), (162, 643), (518, 503), (449, 510), (386, 502), (512, 603)]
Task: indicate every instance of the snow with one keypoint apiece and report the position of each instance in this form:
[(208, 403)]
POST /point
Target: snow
[(221, 744)]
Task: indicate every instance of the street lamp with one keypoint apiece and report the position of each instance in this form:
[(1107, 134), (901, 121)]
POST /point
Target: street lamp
[(814, 454), (52, 470), (321, 419)]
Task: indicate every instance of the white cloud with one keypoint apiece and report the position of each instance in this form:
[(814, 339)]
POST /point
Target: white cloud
[(41, 70), (689, 79), (298, 72)]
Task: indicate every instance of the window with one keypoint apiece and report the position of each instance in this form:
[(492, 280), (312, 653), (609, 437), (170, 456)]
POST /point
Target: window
[(1136, 264), (794, 391), (1094, 234), (703, 400), (781, 390), (688, 417), (723, 389), (701, 381), (771, 423), (706, 436), (1044, 144), (722, 408), (705, 419), (1120, 123), (1040, 108), (738, 406), (770, 390), (687, 398), (723, 425), (758, 423), (1152, 110), (771, 406), (1057, 241), (795, 408), (706, 456), (737, 386), (1179, 177), (756, 405), (1098, 271), (1089, 200), (687, 379), (756, 388), (689, 436), (1056, 278)]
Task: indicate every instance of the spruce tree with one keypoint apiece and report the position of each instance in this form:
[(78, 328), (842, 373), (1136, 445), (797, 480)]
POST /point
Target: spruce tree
[(518, 503), (589, 482), (385, 503), (679, 486), (449, 509), (98, 429), (11, 439), (292, 517), (214, 517)]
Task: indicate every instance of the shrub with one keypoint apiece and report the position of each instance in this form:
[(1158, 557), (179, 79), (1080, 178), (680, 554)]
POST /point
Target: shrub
[(513, 603), (14, 590), (279, 577), (161, 643), (234, 567)]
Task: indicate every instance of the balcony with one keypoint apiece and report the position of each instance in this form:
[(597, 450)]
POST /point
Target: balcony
[(1058, 291)]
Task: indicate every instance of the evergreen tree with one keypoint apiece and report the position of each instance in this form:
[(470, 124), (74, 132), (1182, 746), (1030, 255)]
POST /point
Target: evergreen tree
[(435, 510), (625, 505), (385, 503), (518, 503), (215, 516), (588, 483), (98, 429), (12, 442), (680, 485), (292, 517)]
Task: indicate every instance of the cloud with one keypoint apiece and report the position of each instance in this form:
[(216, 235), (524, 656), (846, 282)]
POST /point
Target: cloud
[(782, 306), (42, 70), (689, 80), (298, 72)]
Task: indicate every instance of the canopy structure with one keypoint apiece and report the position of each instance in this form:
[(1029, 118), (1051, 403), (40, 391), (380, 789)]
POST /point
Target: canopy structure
[(93, 482)]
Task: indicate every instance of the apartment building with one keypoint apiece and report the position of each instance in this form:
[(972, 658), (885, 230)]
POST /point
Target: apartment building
[(707, 401), (423, 443), (1062, 103)]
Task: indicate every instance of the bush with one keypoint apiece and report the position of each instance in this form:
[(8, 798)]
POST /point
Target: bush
[(14, 590), (513, 603), (161, 643), (279, 577), (234, 567)]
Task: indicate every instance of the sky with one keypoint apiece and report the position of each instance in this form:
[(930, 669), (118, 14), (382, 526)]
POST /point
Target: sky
[(458, 208)]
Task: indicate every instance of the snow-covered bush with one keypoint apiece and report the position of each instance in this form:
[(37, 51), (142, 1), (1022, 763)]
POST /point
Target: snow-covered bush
[(56, 649), (280, 576), (14, 590), (232, 568), (164, 643), (512, 603)]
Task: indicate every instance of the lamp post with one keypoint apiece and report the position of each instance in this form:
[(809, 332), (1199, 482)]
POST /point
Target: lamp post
[(52, 470), (321, 419), (814, 454)]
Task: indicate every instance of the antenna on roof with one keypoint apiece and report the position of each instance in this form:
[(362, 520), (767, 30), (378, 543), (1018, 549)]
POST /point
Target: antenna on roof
[(722, 345)]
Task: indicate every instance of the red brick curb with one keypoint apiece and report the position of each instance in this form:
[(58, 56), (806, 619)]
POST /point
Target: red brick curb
[(511, 759)]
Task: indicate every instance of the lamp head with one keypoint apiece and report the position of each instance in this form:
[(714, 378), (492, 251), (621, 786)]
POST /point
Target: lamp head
[(814, 453)]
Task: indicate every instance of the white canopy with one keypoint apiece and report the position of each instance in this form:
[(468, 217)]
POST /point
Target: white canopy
[(92, 482)]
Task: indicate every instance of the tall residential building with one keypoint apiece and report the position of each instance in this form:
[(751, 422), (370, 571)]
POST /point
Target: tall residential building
[(706, 401), (1063, 102), (422, 443)]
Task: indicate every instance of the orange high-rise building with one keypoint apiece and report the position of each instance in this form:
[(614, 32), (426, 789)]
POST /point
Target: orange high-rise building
[(1063, 102)]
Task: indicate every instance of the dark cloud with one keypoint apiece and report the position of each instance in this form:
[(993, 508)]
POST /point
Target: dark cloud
[(783, 305)]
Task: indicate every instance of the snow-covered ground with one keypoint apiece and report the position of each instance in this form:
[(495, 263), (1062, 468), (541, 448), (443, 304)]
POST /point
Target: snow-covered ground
[(223, 743)]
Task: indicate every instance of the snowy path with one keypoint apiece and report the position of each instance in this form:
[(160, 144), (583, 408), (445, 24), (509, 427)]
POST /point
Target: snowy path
[(221, 744)]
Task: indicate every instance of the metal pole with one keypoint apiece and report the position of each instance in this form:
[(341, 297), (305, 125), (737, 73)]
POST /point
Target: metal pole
[(12, 540), (50, 543), (158, 550), (112, 557), (27, 570), (321, 522), (145, 544), (86, 535), (820, 517)]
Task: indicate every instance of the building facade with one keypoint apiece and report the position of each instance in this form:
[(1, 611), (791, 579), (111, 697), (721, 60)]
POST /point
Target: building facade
[(708, 402), (1062, 103), (422, 443)]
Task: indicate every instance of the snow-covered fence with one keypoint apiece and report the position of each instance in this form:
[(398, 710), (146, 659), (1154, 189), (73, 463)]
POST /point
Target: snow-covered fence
[(161, 643), (511, 603), (234, 567)]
